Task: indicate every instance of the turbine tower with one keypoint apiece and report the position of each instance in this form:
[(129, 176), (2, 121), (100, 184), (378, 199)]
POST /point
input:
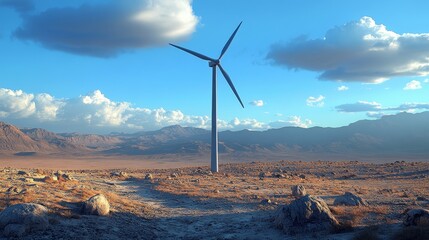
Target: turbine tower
[(214, 63)]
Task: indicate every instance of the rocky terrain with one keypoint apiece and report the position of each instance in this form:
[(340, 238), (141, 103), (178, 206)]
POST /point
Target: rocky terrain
[(350, 200), (391, 138)]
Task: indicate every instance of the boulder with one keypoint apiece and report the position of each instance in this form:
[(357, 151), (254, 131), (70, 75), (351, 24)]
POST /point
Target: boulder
[(50, 179), (21, 172), (349, 199), (19, 219), (298, 191), (417, 217), (148, 176), (96, 205), (119, 174), (65, 177), (306, 214)]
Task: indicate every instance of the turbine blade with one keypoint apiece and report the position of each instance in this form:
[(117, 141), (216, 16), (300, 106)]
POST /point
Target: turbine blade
[(229, 41), (194, 53), (228, 79)]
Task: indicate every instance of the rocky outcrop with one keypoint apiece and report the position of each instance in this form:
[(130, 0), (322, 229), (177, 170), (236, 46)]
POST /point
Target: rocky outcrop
[(417, 217), (349, 199), (20, 219), (306, 214), (298, 191)]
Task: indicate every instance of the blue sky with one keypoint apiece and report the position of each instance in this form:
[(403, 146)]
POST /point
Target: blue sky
[(103, 66)]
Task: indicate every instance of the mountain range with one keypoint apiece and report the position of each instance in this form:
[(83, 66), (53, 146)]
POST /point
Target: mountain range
[(402, 136)]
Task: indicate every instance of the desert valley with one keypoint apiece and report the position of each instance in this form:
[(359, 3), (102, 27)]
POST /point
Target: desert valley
[(158, 186), (214, 120)]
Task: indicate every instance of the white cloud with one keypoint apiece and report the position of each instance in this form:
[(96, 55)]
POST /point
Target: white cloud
[(413, 85), (375, 109), (360, 106), (293, 121), (257, 103), (114, 26), (96, 113), (359, 51), (251, 124), (375, 114), (343, 88), (316, 101), (426, 80), (16, 104)]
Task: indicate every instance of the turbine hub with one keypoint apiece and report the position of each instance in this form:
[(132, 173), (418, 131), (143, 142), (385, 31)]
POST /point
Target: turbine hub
[(214, 63)]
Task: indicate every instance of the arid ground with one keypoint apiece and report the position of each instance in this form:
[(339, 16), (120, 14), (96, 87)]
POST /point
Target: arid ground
[(193, 203)]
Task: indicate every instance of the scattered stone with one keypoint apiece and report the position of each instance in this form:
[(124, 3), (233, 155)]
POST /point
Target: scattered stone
[(195, 180), (422, 199), (21, 172), (298, 191), (66, 177), (174, 175), (119, 174), (96, 205), (306, 214), (302, 176), (349, 199), (278, 175), (20, 219), (29, 180), (50, 179), (216, 191), (14, 190), (266, 201), (417, 217), (262, 175), (148, 177)]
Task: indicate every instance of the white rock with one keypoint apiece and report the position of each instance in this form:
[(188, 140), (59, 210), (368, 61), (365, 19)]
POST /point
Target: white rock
[(96, 205)]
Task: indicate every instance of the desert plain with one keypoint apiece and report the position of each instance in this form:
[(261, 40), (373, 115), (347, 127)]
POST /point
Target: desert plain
[(187, 201)]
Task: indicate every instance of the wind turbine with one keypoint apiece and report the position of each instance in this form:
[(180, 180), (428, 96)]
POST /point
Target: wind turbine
[(214, 63)]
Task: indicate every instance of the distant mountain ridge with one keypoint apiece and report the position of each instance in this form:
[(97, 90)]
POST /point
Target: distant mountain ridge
[(401, 135)]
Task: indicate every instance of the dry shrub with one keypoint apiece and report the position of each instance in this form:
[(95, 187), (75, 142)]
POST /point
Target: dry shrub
[(125, 204), (350, 215), (83, 193)]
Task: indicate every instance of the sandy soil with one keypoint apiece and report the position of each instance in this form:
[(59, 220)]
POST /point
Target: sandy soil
[(192, 203)]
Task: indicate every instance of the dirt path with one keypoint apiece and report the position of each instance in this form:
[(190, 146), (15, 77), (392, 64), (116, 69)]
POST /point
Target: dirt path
[(182, 217)]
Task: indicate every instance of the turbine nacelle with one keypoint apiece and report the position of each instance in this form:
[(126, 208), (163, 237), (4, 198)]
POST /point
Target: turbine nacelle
[(214, 63)]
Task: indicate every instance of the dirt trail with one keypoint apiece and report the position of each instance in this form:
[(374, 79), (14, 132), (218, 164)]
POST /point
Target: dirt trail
[(182, 217)]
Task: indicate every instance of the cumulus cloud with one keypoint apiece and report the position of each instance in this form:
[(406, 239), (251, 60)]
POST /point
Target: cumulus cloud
[(375, 114), (375, 109), (257, 103), (110, 28), (343, 88), (315, 101), (293, 121), (16, 104), (21, 6), (96, 113), (413, 85), (359, 51), (360, 106), (426, 80)]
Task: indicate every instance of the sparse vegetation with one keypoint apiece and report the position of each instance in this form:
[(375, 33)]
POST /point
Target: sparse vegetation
[(238, 189)]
